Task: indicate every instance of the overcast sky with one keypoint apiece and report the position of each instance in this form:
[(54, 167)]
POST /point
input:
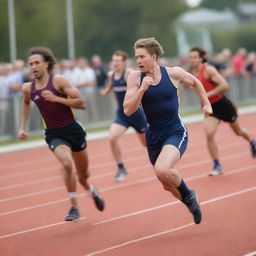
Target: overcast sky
[(193, 3)]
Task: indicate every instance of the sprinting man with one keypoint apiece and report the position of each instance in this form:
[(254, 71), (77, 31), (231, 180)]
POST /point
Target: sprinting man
[(223, 108), (55, 98), (117, 81), (155, 88)]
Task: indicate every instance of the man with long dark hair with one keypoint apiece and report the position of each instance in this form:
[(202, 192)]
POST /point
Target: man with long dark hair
[(55, 99)]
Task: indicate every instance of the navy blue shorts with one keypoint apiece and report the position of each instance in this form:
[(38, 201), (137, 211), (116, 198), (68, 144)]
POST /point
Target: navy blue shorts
[(136, 120), (72, 136), (178, 139)]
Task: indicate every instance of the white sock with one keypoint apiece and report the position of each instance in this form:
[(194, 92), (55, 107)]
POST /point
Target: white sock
[(91, 188), (72, 194)]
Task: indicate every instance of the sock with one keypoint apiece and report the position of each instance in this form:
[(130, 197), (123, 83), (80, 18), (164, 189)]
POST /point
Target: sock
[(216, 162), (120, 166), (184, 190), (72, 194), (91, 188)]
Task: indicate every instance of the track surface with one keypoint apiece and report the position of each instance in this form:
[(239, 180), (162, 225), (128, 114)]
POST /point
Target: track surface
[(140, 217)]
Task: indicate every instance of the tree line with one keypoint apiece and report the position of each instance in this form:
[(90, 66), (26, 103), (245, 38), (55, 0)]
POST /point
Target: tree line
[(100, 26)]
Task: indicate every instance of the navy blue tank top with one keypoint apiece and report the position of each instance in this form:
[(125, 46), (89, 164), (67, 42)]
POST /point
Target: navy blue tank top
[(160, 104), (119, 87), (54, 115)]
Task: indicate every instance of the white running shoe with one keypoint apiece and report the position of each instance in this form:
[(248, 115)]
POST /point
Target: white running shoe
[(216, 171), (120, 174)]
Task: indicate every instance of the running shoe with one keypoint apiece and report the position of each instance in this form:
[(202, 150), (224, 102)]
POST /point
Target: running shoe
[(253, 148), (192, 203), (216, 171), (121, 173), (73, 215), (98, 200)]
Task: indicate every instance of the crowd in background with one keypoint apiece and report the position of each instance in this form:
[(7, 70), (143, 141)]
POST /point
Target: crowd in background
[(88, 76)]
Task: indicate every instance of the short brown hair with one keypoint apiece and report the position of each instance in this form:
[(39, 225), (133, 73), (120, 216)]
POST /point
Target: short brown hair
[(121, 53), (151, 45), (47, 55), (202, 53)]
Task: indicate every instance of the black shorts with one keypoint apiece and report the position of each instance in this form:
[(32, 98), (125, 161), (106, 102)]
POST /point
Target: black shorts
[(72, 136), (224, 110)]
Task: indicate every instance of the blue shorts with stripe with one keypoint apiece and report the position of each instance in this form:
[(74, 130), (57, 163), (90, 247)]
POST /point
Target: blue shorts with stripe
[(178, 139), (136, 120)]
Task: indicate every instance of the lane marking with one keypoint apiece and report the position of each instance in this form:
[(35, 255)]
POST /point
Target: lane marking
[(172, 230), (30, 183), (140, 239), (43, 227), (79, 195), (104, 175), (121, 186), (50, 158), (250, 254), (32, 194), (172, 203), (139, 212), (109, 163)]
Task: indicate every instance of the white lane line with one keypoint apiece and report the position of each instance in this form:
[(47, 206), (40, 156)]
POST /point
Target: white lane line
[(171, 230), (140, 239), (93, 178), (250, 254), (130, 160), (42, 227), (108, 163), (50, 159), (38, 170), (60, 176), (154, 208), (136, 213), (30, 183), (34, 207), (122, 186), (80, 195), (32, 194), (169, 204)]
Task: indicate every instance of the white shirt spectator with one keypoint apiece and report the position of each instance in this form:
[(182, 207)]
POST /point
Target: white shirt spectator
[(86, 77)]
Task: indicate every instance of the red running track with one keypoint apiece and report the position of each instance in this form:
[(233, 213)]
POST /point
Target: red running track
[(140, 217)]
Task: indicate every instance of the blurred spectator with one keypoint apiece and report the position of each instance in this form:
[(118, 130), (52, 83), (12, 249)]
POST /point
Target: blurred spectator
[(251, 63), (100, 70), (86, 80), (16, 77), (183, 62), (222, 62), (86, 83), (71, 71), (3, 97), (238, 63), (163, 61), (28, 75), (64, 68)]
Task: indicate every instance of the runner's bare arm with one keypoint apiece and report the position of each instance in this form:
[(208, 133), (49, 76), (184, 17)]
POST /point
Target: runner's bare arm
[(109, 86), (135, 92), (25, 109), (221, 84), (185, 78), (74, 99)]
